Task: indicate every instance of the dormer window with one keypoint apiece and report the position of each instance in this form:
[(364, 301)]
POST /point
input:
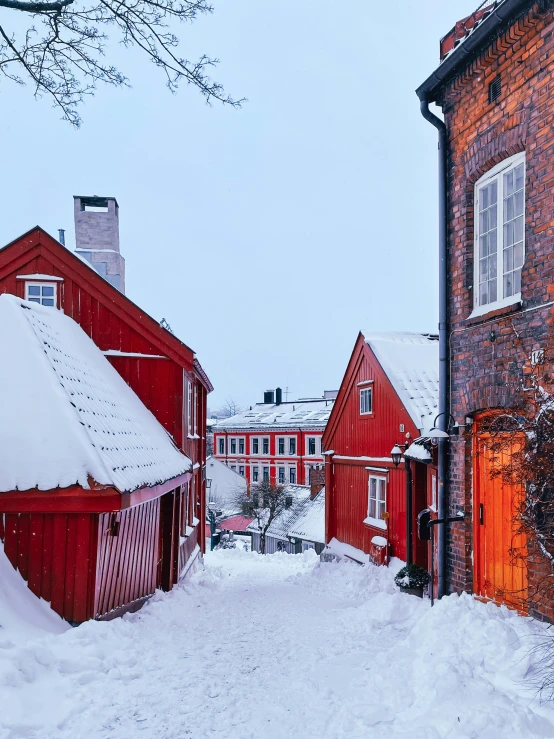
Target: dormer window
[(43, 293)]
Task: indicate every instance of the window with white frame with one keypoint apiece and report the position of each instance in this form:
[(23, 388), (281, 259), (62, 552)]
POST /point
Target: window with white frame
[(241, 470), (255, 473), (221, 441), (281, 446), (241, 446), (190, 411), (292, 475), (281, 475), (366, 401), (306, 545), (311, 446), (266, 474), (254, 446), (292, 446), (265, 446), (234, 467), (43, 293), (377, 502), (499, 234), (233, 446)]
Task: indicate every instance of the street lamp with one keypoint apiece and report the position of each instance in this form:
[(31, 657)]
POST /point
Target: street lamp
[(396, 454), (435, 434)]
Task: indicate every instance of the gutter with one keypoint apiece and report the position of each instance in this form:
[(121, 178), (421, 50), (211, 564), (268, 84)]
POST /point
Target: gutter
[(474, 43), (442, 467)]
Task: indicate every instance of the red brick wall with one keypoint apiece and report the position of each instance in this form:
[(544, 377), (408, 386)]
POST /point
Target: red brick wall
[(488, 354)]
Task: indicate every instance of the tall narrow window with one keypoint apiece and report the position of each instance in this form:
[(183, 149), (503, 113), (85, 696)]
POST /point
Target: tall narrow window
[(377, 498), (233, 446), (366, 401), (281, 475), (292, 475), (190, 407), (254, 474), (222, 446), (255, 446), (241, 446), (311, 445), (281, 446), (292, 447), (241, 470), (499, 234), (265, 443), (266, 474)]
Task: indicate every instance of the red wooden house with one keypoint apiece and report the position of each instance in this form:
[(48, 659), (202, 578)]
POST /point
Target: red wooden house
[(388, 396), (168, 379)]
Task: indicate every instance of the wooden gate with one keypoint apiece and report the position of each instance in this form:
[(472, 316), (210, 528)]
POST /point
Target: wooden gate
[(500, 569)]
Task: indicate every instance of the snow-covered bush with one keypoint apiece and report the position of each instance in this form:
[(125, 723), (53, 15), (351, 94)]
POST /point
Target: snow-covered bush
[(412, 576)]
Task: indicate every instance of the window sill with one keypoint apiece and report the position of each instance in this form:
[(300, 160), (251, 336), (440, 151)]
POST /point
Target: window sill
[(491, 310), (377, 523)]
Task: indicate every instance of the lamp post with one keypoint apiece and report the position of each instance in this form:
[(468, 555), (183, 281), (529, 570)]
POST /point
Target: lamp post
[(396, 454)]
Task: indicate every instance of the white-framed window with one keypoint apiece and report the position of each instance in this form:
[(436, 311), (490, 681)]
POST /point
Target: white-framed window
[(254, 446), (376, 501), (241, 446), (499, 248), (266, 474), (265, 445), (221, 445), (292, 475), (241, 470), (194, 411), (189, 408), (233, 446), (234, 467), (255, 473), (43, 293), (311, 446), (281, 476), (307, 545), (281, 446), (292, 446), (366, 401)]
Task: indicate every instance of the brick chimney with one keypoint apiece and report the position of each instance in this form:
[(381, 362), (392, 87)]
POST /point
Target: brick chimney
[(317, 479), (97, 236)]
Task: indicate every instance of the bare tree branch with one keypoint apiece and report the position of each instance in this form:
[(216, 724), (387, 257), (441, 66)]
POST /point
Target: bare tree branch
[(65, 58)]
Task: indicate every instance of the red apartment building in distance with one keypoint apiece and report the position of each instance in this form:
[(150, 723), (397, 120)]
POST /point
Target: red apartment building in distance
[(275, 440)]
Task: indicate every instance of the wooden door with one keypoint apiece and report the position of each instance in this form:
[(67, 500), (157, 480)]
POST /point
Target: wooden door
[(500, 570)]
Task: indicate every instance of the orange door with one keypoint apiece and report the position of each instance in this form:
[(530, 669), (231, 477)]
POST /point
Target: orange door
[(500, 571)]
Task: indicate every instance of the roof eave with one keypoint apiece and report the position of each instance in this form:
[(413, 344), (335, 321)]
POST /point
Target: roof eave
[(507, 12)]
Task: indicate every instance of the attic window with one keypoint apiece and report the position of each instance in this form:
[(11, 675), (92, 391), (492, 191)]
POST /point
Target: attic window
[(495, 89), (41, 292)]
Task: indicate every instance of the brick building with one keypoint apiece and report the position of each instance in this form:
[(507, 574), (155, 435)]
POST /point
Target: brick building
[(496, 150)]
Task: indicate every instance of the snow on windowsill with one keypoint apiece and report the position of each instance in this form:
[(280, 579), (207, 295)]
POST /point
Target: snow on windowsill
[(195, 521), (482, 310), (196, 466), (378, 523)]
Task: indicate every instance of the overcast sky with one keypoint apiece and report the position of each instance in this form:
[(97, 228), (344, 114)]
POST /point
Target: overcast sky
[(268, 236)]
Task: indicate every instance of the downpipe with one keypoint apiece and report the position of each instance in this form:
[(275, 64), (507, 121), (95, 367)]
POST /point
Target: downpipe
[(443, 352)]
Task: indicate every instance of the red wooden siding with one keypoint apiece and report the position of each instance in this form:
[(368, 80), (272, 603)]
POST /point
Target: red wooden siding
[(127, 563), (55, 553)]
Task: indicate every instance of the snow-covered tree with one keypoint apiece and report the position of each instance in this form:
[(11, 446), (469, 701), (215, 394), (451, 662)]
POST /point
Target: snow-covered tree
[(265, 502)]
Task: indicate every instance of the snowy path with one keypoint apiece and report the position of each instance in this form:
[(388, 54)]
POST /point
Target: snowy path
[(278, 646)]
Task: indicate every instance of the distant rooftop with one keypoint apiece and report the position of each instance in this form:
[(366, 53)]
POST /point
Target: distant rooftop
[(309, 413)]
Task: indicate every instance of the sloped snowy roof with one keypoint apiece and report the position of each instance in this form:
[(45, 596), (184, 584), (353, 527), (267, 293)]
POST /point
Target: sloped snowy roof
[(411, 362), (226, 484), (66, 415), (310, 523), (312, 414), (419, 450), (305, 515)]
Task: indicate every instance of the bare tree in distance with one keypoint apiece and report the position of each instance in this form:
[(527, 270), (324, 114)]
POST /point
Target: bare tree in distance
[(264, 503), (229, 408), (61, 46)]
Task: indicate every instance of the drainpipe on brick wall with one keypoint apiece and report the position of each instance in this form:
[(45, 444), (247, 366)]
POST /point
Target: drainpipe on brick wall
[(442, 467)]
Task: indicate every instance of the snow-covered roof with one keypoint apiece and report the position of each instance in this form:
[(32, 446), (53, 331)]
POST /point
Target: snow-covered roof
[(411, 362), (226, 484), (309, 414), (305, 514), (310, 523), (66, 416)]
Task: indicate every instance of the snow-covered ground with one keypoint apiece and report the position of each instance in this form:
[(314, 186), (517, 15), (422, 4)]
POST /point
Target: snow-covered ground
[(278, 646)]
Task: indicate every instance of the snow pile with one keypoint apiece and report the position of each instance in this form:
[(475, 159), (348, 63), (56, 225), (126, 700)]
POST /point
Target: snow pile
[(67, 415), (281, 645), (22, 614)]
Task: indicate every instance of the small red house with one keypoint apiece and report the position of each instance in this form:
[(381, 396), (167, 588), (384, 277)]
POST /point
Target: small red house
[(388, 396), (162, 371)]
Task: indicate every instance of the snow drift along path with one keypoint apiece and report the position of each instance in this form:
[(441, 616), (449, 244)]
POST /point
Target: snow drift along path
[(278, 646)]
